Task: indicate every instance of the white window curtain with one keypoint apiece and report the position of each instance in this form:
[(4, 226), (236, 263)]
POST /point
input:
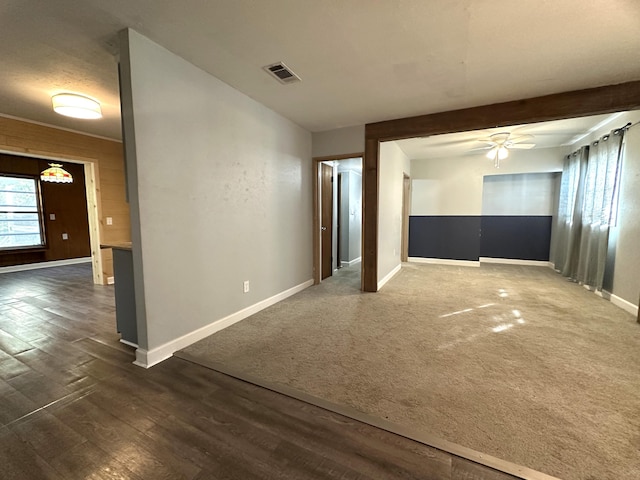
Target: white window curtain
[(586, 209)]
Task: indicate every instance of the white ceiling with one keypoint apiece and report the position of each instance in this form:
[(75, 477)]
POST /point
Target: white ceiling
[(545, 135), (360, 61)]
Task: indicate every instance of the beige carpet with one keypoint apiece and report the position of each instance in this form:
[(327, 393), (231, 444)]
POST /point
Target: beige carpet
[(512, 361)]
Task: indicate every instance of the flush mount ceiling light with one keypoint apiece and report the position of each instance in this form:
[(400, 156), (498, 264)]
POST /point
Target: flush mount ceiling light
[(76, 106), (56, 174)]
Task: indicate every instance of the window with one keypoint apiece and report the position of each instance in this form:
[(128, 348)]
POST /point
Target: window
[(20, 214)]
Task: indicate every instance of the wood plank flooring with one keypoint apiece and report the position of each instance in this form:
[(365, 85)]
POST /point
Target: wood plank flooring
[(73, 406)]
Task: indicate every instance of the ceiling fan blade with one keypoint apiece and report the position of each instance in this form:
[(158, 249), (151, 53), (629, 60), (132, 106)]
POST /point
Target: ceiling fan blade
[(479, 150), (489, 142), (521, 146), (520, 138)]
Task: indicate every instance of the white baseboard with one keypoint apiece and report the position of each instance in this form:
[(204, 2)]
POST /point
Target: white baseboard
[(445, 261), (513, 261), (350, 262), (52, 263), (389, 276), (148, 358), (127, 342), (623, 304)]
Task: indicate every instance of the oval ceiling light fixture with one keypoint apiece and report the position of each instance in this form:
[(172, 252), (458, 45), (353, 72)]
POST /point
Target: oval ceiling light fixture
[(76, 106)]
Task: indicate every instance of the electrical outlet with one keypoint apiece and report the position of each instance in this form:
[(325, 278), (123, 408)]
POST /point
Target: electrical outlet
[(111, 280), (65, 236), (52, 216), (245, 286), (109, 220)]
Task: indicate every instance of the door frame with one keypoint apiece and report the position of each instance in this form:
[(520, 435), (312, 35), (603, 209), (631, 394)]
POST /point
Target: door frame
[(338, 187), (317, 204), (91, 182), (559, 106), (406, 212), (327, 217)]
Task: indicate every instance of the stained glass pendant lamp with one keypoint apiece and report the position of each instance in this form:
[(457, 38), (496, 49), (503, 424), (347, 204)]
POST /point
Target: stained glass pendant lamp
[(56, 174)]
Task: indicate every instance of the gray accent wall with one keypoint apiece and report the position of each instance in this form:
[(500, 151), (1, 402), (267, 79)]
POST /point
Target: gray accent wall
[(222, 191), (131, 176), (626, 274)]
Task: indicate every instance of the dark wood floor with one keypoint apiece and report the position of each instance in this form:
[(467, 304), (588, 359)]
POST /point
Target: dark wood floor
[(73, 407)]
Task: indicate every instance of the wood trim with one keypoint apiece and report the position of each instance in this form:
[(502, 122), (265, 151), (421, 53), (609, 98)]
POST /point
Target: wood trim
[(91, 185), (591, 101), (345, 156), (316, 223), (370, 193), (558, 106), (317, 271), (406, 211)]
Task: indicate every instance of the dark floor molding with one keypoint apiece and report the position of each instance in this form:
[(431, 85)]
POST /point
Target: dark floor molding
[(500, 465)]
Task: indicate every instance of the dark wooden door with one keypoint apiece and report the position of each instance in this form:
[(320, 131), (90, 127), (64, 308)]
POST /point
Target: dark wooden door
[(326, 220)]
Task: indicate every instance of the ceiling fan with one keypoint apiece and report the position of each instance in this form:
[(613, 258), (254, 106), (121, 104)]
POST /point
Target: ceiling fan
[(499, 145)]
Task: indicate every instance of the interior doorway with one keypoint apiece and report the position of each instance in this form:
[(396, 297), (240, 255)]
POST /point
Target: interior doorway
[(91, 194), (337, 215)]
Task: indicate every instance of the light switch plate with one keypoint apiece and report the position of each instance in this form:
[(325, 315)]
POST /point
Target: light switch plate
[(65, 236), (52, 216), (109, 220), (245, 286)]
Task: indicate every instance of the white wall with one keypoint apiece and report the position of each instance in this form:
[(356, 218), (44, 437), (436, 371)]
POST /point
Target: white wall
[(351, 212), (393, 165), (453, 186), (344, 215), (355, 215), (341, 141), (224, 192), (626, 277), (528, 194)]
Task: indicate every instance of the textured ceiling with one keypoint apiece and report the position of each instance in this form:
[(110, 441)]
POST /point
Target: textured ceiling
[(360, 61), (544, 135)]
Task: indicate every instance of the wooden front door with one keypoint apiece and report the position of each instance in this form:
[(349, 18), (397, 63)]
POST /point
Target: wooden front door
[(326, 220)]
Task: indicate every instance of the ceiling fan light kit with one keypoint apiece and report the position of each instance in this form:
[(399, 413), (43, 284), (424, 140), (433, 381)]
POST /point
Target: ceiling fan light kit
[(496, 154), (501, 143)]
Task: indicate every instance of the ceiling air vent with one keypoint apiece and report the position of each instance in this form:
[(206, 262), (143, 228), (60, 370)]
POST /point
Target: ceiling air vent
[(282, 73)]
